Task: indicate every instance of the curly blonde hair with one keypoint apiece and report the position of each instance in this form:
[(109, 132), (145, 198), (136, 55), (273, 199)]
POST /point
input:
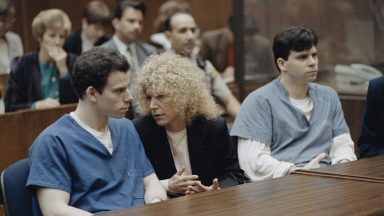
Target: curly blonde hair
[(50, 19), (177, 77)]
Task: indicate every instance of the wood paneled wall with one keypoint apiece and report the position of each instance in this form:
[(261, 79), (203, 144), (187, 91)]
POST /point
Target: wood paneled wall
[(210, 14)]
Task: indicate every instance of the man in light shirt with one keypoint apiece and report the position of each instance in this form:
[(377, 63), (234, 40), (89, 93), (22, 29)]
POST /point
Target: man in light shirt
[(92, 160), (292, 123), (181, 30)]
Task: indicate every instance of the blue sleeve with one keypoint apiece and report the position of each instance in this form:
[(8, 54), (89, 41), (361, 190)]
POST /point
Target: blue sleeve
[(48, 164), (254, 120), (339, 124)]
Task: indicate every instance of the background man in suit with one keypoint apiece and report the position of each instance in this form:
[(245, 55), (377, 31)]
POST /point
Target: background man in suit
[(96, 18), (128, 23), (184, 136), (181, 31), (371, 141)]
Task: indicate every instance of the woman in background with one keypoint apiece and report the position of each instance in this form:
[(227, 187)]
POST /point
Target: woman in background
[(42, 79)]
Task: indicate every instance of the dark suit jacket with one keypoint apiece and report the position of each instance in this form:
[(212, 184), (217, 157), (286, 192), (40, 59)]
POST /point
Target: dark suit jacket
[(73, 42), (211, 152), (371, 141), (24, 83), (143, 50)]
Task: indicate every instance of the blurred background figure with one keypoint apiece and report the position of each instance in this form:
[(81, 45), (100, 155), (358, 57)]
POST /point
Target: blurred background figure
[(166, 9), (217, 47), (42, 78), (10, 43), (96, 18)]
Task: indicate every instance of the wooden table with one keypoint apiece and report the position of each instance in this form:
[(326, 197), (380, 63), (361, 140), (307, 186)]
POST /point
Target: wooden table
[(291, 195), (369, 169)]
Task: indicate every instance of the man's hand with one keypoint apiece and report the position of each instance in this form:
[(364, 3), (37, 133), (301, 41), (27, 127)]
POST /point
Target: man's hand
[(59, 56), (314, 163), (202, 188), (46, 103), (179, 184)]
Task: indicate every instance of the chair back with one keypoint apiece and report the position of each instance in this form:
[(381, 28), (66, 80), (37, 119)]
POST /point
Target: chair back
[(17, 198)]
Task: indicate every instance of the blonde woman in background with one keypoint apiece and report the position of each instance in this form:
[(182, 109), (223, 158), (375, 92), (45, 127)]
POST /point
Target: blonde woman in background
[(42, 79)]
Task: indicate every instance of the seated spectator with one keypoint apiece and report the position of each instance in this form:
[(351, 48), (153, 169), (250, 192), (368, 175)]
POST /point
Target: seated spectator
[(217, 46), (371, 141), (42, 79), (292, 123), (92, 159), (96, 18), (10, 43), (127, 21), (184, 136), (166, 9), (181, 32)]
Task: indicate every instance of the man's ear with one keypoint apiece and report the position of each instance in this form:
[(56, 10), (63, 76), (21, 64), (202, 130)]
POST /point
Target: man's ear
[(281, 64), (91, 94), (84, 23), (115, 23)]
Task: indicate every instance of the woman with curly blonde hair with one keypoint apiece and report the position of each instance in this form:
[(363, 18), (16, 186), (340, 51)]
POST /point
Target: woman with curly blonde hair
[(184, 136)]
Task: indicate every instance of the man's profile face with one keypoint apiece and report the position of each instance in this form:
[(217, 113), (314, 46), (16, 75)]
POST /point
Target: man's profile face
[(129, 26), (301, 66), (115, 98), (182, 34)]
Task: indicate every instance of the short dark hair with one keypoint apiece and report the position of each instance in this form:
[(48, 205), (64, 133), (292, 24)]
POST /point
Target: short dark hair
[(6, 8), (123, 5), (97, 12), (93, 67), (297, 38), (167, 22)]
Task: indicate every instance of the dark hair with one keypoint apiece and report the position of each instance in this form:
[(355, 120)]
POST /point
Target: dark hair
[(296, 38), (123, 5), (97, 12), (6, 8), (93, 67), (167, 22)]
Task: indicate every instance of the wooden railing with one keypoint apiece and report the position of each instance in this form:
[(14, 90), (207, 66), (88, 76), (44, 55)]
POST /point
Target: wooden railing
[(19, 129)]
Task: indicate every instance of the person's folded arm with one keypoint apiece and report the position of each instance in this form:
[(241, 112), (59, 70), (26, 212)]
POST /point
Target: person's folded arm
[(55, 202), (256, 161), (342, 149), (154, 191)]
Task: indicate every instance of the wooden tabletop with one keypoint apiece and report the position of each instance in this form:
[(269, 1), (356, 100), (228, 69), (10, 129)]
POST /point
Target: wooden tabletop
[(368, 169), (291, 195)]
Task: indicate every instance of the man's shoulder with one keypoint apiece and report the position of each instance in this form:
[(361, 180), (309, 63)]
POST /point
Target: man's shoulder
[(75, 35), (61, 128), (214, 33), (266, 90), (377, 82), (147, 48), (109, 44), (322, 89)]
